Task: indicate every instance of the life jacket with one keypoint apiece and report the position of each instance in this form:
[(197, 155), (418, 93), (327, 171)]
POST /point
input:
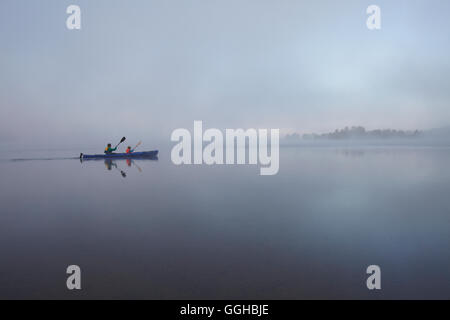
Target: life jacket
[(128, 150)]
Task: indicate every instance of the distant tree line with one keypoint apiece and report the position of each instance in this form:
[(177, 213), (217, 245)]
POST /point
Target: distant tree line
[(357, 132)]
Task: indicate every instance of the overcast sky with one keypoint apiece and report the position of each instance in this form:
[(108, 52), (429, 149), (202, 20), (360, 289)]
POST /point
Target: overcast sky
[(145, 68)]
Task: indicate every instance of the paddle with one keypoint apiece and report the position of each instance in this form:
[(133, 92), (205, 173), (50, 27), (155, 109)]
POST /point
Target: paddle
[(138, 144), (121, 171), (121, 140), (139, 168), (113, 164)]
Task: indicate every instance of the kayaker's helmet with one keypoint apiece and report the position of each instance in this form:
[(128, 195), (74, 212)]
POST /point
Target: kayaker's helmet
[(128, 147), (109, 144)]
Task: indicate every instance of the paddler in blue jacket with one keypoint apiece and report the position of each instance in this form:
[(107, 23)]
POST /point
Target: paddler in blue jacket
[(110, 149)]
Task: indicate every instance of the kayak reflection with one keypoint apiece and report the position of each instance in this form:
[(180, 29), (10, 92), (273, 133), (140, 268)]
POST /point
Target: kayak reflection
[(120, 164), (134, 155), (131, 162), (109, 164)]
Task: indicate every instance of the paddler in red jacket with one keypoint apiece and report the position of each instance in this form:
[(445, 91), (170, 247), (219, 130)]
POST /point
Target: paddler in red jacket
[(129, 150)]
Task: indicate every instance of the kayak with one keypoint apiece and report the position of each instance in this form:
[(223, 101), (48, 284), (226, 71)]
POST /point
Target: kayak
[(144, 154)]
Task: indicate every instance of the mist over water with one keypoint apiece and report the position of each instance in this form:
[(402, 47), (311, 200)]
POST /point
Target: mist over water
[(308, 66), (167, 231)]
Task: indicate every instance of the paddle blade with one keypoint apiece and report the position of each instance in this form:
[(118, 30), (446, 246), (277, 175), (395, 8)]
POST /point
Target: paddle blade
[(138, 144), (121, 140)]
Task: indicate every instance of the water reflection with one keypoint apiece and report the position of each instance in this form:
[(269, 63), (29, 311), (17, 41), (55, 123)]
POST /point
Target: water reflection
[(132, 162), (109, 164), (275, 238), (118, 164)]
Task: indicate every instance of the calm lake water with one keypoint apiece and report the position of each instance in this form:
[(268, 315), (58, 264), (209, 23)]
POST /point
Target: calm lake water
[(198, 232)]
